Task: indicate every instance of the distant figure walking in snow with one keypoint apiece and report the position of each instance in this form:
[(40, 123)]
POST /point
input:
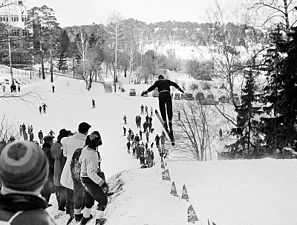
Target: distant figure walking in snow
[(125, 119), (221, 133), (44, 108), (53, 88), (40, 109), (93, 103), (178, 115), (40, 136)]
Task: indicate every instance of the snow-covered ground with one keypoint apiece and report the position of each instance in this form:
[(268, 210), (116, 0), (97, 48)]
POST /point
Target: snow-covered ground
[(244, 192)]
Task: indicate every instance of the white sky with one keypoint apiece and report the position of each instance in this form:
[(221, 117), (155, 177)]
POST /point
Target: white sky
[(75, 12)]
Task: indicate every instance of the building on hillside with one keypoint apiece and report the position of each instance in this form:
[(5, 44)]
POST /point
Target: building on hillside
[(13, 17)]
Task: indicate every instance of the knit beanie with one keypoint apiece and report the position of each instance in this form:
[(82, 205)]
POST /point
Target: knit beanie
[(23, 166)]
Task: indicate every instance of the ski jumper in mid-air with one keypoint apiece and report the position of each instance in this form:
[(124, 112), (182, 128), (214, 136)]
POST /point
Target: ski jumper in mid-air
[(165, 101)]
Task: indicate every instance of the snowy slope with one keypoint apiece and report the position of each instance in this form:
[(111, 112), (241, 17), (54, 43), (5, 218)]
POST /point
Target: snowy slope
[(256, 192)]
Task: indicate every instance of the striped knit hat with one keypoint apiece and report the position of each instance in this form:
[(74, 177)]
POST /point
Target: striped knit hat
[(23, 166)]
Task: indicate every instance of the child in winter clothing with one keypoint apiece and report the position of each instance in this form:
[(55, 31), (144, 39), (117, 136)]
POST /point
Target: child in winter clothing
[(96, 187)]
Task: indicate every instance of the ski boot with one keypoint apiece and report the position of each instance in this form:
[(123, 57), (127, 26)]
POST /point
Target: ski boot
[(85, 220)]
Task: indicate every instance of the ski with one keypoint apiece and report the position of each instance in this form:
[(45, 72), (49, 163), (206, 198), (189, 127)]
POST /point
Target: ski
[(101, 221), (70, 219), (170, 135)]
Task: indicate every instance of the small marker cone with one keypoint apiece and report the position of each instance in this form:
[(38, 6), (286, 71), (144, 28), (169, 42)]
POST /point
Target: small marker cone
[(185, 193), (165, 175), (192, 217), (173, 189)]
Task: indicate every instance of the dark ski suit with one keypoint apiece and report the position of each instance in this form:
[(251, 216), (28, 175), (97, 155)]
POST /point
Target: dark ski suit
[(165, 101)]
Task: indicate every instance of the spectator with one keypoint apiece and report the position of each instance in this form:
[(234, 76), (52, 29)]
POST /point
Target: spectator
[(44, 108), (70, 144), (96, 187), (128, 146), (220, 133), (40, 136), (19, 199), (59, 160), (51, 133), (49, 186)]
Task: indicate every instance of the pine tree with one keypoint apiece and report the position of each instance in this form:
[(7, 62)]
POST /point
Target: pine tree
[(62, 63), (280, 91), (63, 49), (246, 129)]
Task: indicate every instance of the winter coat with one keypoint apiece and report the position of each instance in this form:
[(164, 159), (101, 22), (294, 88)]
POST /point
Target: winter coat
[(49, 186), (137, 138), (89, 160), (141, 151), (46, 147), (40, 135), (162, 139), (33, 208), (31, 135), (57, 154), (25, 136), (70, 144)]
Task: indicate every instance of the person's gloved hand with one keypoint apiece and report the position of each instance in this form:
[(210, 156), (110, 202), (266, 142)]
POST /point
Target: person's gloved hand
[(181, 90), (104, 186), (143, 93)]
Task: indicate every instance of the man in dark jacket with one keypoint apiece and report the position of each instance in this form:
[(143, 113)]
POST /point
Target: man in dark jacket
[(49, 186), (23, 171), (165, 101)]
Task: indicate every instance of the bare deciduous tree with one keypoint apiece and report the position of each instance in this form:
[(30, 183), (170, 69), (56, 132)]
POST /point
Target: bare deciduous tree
[(115, 32), (276, 12), (6, 129), (194, 129), (90, 49)]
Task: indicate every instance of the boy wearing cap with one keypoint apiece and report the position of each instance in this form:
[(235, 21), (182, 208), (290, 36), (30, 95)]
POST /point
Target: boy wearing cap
[(70, 144), (23, 171), (96, 187)]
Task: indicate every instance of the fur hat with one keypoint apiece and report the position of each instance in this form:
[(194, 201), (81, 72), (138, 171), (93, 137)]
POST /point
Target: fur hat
[(23, 166)]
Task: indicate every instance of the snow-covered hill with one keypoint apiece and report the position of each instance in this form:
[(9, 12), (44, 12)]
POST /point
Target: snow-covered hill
[(249, 192)]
